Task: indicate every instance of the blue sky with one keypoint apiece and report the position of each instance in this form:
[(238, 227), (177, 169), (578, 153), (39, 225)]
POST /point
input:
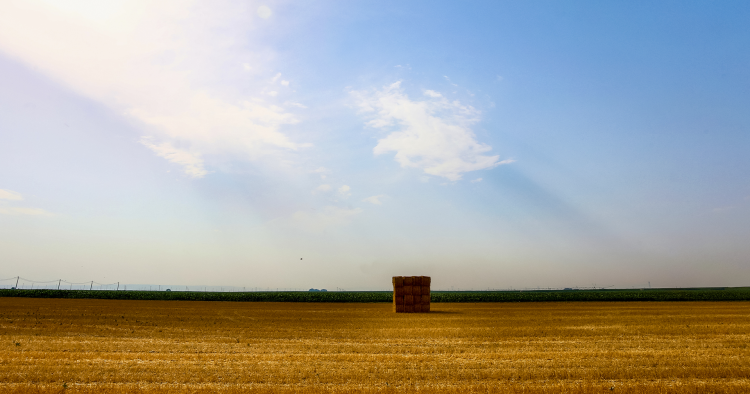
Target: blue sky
[(488, 144)]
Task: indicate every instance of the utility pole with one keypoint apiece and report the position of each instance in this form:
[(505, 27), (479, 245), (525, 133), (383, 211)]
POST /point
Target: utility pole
[(118, 286), (17, 278), (58, 284), (92, 285)]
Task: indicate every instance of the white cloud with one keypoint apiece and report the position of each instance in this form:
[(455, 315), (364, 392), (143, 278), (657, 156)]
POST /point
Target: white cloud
[(433, 135), (285, 83), (10, 195), (375, 199), (345, 191), (477, 180), (432, 93), (15, 196), (327, 217), (192, 163), (273, 93), (276, 78), (23, 211), (322, 189), (151, 61), (322, 171), (293, 104), (264, 12)]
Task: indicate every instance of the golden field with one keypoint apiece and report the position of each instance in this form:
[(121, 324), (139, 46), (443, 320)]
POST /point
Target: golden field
[(77, 346)]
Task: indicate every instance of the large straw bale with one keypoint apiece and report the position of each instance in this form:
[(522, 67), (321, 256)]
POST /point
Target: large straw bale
[(411, 294), (408, 290)]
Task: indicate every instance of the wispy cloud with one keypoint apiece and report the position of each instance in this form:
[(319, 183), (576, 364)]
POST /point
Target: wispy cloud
[(10, 195), (322, 189), (376, 200), (192, 163), (345, 191), (264, 12), (434, 135), (153, 62), (322, 171)]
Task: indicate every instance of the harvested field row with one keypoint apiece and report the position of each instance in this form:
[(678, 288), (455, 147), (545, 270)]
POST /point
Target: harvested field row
[(168, 346)]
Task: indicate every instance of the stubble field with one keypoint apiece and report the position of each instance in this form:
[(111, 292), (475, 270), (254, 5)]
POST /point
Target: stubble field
[(59, 345)]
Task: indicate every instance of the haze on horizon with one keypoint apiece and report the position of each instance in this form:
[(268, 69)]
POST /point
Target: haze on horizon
[(336, 144)]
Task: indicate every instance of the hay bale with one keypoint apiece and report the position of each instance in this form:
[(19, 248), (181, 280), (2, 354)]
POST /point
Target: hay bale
[(411, 294)]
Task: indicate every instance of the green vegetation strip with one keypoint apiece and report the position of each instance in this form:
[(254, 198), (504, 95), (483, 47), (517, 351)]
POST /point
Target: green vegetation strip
[(698, 294)]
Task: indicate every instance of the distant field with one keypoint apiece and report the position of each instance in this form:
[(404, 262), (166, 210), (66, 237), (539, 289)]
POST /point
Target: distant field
[(113, 346), (695, 294)]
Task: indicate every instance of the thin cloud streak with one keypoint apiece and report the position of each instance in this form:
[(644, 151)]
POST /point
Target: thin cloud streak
[(10, 195)]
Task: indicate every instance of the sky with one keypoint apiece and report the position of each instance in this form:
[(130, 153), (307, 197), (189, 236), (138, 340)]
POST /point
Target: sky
[(282, 144)]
